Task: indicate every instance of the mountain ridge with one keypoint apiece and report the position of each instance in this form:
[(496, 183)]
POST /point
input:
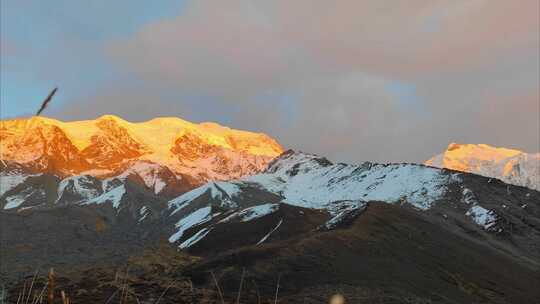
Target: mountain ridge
[(81, 131)]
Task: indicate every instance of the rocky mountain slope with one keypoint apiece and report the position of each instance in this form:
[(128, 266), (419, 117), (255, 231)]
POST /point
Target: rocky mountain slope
[(511, 166), (315, 222)]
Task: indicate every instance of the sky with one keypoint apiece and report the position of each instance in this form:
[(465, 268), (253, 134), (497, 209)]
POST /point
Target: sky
[(378, 80)]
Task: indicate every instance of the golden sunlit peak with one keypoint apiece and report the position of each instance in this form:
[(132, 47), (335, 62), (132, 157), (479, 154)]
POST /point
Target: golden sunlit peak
[(158, 135), (472, 157), (510, 165), (479, 151), (168, 120), (41, 119), (453, 146), (110, 117)]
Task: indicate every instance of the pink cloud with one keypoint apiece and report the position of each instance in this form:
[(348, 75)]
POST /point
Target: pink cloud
[(338, 59)]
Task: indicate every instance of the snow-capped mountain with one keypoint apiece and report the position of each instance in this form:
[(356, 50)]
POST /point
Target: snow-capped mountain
[(511, 166), (304, 181), (169, 155), (297, 179), (109, 189), (303, 208)]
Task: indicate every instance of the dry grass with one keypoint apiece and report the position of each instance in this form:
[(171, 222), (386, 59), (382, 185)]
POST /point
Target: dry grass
[(30, 295), (49, 293)]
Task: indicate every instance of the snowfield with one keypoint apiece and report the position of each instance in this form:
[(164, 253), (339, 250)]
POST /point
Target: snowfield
[(198, 217), (14, 201), (10, 181), (252, 213), (223, 191), (113, 196), (482, 216), (308, 181), (82, 185)]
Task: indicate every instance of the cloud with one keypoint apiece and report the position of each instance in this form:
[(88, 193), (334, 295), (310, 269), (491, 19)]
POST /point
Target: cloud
[(354, 80)]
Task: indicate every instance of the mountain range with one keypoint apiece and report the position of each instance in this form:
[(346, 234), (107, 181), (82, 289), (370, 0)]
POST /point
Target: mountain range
[(163, 153), (85, 197)]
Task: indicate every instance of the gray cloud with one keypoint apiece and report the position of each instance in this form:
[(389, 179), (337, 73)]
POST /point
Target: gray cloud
[(353, 80)]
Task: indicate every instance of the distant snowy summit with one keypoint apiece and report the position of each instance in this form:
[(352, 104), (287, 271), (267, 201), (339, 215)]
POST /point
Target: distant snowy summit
[(509, 165)]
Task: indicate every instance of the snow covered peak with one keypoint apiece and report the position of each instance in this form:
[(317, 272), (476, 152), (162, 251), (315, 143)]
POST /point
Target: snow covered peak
[(223, 192), (310, 181), (509, 165), (290, 162), (111, 117), (465, 157), (41, 146), (206, 151), (314, 182)]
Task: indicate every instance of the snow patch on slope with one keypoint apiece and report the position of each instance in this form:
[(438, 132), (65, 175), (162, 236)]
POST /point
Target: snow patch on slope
[(113, 196), (252, 213), (198, 217), (82, 186), (8, 182), (195, 238), (149, 173), (14, 201), (143, 213), (480, 215), (341, 211), (223, 191), (270, 233)]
